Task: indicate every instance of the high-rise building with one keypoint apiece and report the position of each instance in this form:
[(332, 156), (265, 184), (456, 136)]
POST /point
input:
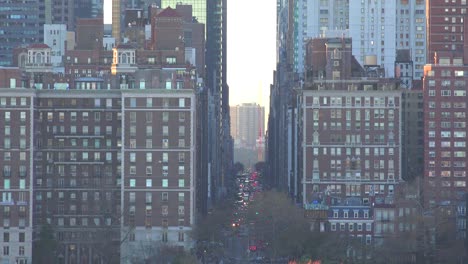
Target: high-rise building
[(446, 23), (55, 36), (351, 128), (247, 124), (20, 24), (445, 130), (369, 23), (116, 20), (88, 8), (213, 13), (61, 12), (198, 7), (372, 27), (114, 137), (411, 34), (16, 216)]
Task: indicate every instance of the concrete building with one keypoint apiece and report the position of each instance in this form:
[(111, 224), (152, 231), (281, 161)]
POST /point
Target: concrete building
[(372, 27), (369, 27), (55, 36), (247, 124), (411, 33)]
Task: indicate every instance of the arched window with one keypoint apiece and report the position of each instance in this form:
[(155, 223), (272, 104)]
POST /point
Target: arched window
[(124, 58), (39, 58)]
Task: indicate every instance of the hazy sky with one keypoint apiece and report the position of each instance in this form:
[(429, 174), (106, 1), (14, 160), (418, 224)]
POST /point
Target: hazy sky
[(251, 49)]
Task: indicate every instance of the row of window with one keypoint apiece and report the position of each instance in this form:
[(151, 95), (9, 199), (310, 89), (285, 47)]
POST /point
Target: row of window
[(85, 116), (7, 184), (8, 116), (21, 237), (367, 113), (149, 117), (149, 157), (149, 130), (164, 183), (14, 101), (149, 198), (6, 252), (7, 143), (448, 134), (339, 138), (448, 114), (165, 102), (351, 188), (357, 125), (457, 184), (355, 151), (358, 101), (164, 237), (355, 214), (449, 173), (365, 175), (351, 227)]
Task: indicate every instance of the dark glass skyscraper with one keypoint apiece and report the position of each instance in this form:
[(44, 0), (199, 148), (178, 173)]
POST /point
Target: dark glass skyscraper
[(213, 13), (20, 23)]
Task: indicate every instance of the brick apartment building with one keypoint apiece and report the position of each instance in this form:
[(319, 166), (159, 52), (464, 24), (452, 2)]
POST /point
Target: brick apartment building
[(103, 153), (351, 126)]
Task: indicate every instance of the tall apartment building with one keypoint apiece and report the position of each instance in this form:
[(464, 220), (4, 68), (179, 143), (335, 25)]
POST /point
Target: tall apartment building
[(411, 34), (112, 168), (445, 104), (215, 106), (378, 28), (104, 152), (315, 19), (446, 23), (372, 27), (247, 124), (351, 121), (445, 129), (17, 165)]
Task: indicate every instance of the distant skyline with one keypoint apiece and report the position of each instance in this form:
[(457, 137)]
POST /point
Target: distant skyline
[(251, 49)]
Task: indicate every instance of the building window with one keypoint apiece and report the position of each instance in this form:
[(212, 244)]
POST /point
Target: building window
[(181, 183)]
